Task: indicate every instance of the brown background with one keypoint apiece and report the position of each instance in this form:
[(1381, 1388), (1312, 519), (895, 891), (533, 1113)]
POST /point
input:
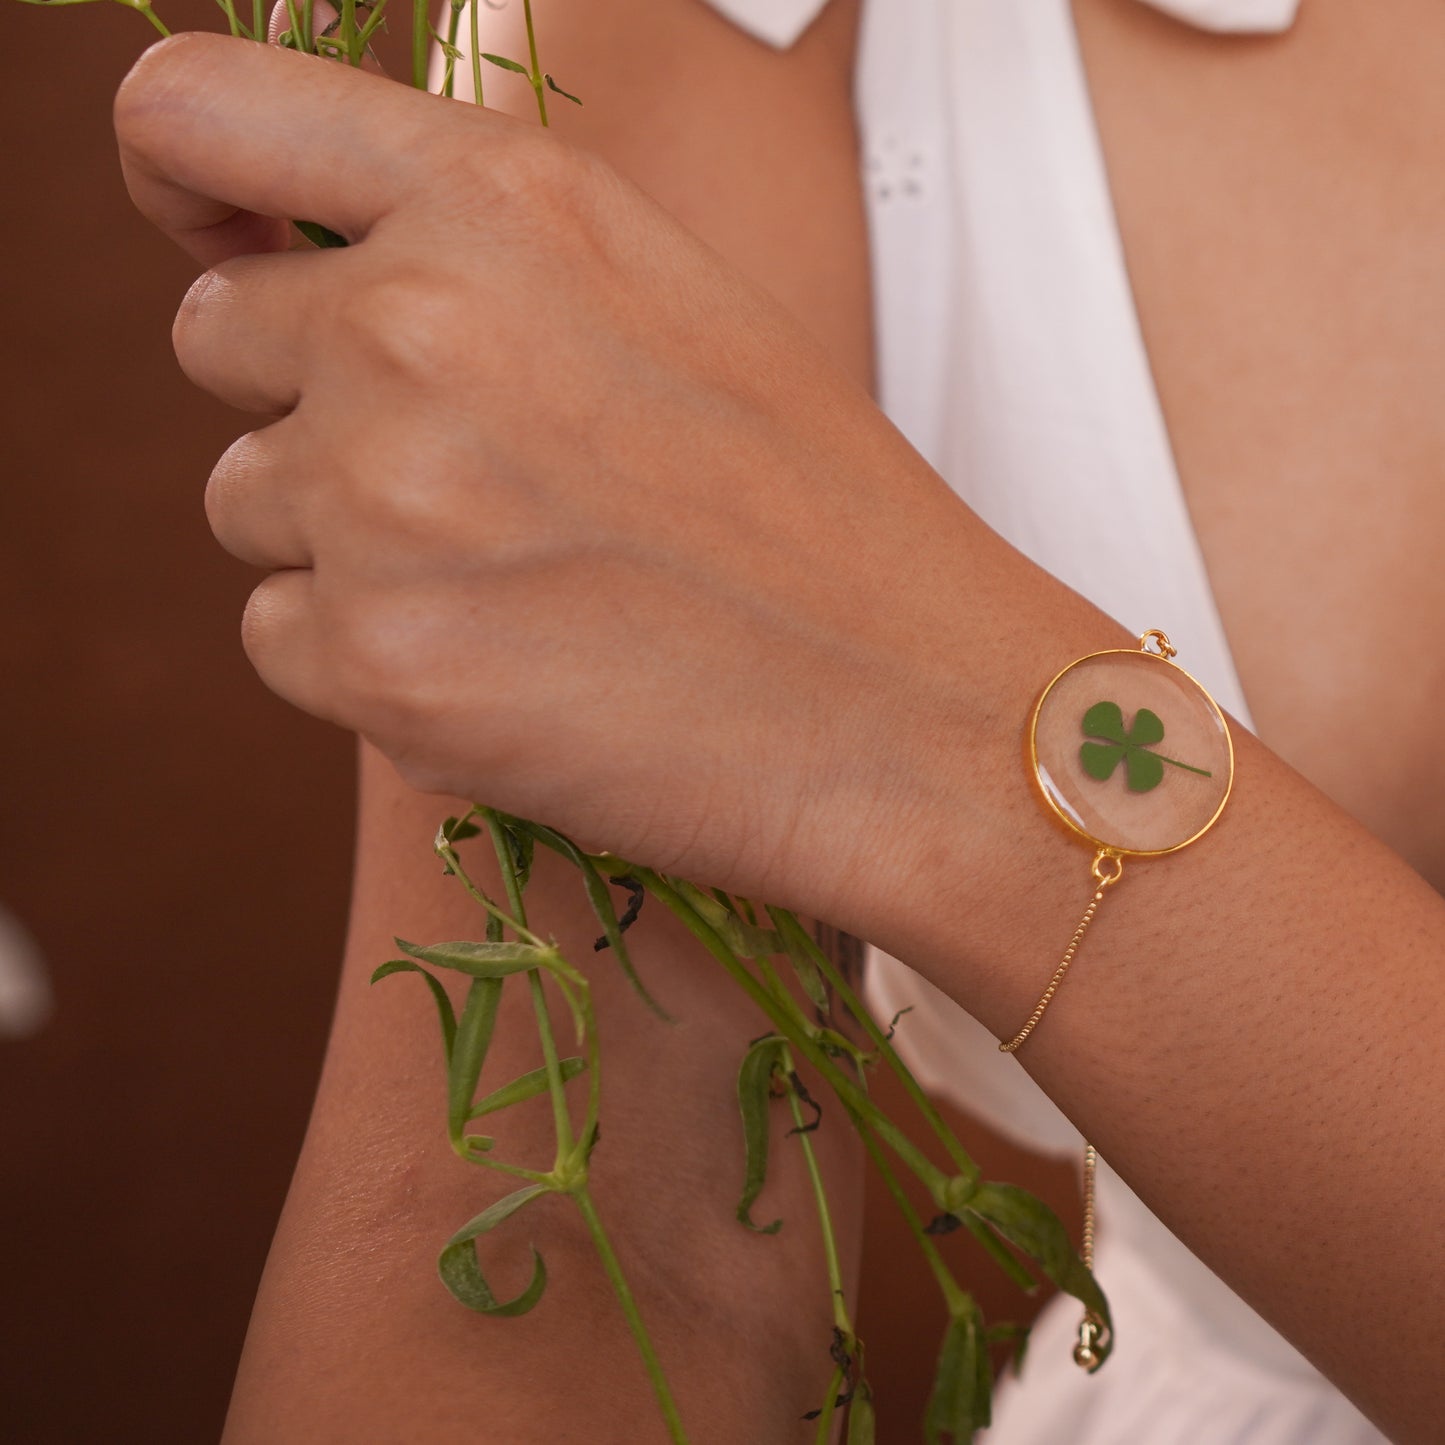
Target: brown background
[(177, 839)]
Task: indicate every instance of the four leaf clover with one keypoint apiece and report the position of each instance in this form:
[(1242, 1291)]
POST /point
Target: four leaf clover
[(1143, 768)]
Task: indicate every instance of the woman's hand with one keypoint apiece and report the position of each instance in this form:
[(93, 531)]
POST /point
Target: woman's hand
[(560, 511)]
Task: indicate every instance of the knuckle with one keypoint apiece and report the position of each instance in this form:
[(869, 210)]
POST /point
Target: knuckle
[(402, 324), (532, 169)]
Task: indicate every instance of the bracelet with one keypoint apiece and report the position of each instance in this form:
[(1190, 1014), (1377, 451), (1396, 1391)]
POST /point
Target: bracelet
[(1116, 791)]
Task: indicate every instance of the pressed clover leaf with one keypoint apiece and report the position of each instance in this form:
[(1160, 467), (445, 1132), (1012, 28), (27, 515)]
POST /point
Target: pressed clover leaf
[(1143, 768)]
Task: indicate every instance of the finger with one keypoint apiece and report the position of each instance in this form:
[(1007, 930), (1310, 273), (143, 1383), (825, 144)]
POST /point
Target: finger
[(240, 332), (257, 500), (279, 635), (215, 132)]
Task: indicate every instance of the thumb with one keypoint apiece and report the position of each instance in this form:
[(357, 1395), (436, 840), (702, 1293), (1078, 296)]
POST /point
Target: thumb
[(325, 24)]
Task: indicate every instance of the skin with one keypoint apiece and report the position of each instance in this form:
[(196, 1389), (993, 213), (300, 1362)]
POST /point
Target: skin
[(422, 517)]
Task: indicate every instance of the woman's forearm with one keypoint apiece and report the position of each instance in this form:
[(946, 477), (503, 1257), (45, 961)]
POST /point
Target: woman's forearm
[(1251, 1032), (353, 1335)]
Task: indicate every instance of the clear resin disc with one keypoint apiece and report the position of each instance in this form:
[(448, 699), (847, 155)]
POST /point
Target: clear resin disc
[(1131, 752)]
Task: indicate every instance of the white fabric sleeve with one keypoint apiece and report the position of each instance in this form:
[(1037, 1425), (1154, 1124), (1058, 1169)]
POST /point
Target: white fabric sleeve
[(775, 22)]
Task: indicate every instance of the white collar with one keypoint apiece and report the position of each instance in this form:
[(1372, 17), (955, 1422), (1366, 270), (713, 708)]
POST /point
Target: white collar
[(1259, 16)]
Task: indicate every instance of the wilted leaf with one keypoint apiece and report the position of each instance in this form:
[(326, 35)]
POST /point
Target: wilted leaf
[(962, 1384), (460, 1272), (443, 1003), (565, 94), (755, 1096), (1037, 1230), (481, 960), (861, 1421)]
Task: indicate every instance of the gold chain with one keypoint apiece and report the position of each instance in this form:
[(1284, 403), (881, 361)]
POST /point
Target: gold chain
[(1091, 1327), (1105, 880)]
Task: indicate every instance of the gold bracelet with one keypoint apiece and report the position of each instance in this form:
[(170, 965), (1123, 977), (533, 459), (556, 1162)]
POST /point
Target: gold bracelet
[(1106, 781)]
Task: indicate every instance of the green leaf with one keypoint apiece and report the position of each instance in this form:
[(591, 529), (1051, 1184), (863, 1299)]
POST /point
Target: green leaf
[(505, 63), (527, 1087), (1145, 770), (601, 901), (861, 1420), (1147, 730), (1035, 1228), (755, 1095), (320, 235), (455, 831), (1105, 720), (565, 94), (745, 939), (523, 849), (1100, 759), (482, 960), (457, 1264), (474, 1038), (810, 978), (962, 1383), (444, 1004)]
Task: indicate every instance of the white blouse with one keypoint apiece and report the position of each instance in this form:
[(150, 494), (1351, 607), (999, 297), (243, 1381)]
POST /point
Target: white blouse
[(1010, 355)]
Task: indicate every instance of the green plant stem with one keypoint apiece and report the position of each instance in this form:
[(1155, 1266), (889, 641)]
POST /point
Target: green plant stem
[(954, 1296), (420, 33), (149, 14), (556, 1086), (347, 32), (824, 1432), (820, 1197), (535, 74), (830, 1247), (570, 1172), (476, 51), (634, 1317), (449, 856), (454, 23), (233, 23), (789, 927), (854, 1098)]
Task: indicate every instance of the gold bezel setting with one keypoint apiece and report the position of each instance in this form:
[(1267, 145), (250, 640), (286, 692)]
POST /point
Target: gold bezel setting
[(1162, 659)]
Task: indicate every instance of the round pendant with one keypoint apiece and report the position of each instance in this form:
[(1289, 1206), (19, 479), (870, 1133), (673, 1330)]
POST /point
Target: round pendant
[(1131, 752)]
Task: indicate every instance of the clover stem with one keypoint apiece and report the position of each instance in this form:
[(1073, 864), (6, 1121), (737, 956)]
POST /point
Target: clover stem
[(1188, 767)]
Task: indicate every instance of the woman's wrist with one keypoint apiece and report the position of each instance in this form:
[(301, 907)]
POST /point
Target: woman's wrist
[(950, 851)]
